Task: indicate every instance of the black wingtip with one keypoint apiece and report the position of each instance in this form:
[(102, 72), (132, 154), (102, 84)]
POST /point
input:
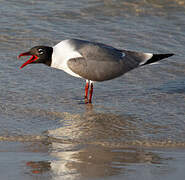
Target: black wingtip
[(168, 55), (157, 57)]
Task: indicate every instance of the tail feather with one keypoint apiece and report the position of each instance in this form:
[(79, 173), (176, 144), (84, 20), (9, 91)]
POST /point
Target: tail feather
[(156, 57)]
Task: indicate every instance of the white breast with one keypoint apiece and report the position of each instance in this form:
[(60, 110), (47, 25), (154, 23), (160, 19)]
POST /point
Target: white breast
[(62, 52)]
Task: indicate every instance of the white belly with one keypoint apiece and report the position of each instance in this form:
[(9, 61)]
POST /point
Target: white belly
[(62, 52)]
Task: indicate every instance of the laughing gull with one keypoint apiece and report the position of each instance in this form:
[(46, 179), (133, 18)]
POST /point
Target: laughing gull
[(90, 60)]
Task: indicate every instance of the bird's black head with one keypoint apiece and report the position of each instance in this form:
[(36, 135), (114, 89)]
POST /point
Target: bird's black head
[(39, 54)]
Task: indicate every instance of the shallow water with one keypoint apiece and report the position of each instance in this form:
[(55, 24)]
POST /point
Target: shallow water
[(135, 127)]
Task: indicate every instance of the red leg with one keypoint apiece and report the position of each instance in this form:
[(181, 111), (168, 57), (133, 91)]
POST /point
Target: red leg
[(86, 91), (91, 93)]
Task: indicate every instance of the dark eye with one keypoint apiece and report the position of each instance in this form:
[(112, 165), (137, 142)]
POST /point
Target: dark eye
[(40, 51)]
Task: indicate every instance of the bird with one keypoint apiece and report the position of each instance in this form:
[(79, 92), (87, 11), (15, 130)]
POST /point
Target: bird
[(91, 61)]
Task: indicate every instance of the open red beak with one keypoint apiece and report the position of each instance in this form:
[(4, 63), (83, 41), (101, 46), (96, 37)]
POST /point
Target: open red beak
[(32, 59)]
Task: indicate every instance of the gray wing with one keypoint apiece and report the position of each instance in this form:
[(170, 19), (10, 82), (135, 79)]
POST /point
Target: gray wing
[(95, 70), (101, 62)]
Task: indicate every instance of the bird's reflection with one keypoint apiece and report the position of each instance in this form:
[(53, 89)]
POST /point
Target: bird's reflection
[(92, 162), (38, 167), (89, 150), (96, 127)]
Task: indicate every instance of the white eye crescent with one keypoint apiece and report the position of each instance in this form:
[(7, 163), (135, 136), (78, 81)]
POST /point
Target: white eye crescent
[(40, 51)]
